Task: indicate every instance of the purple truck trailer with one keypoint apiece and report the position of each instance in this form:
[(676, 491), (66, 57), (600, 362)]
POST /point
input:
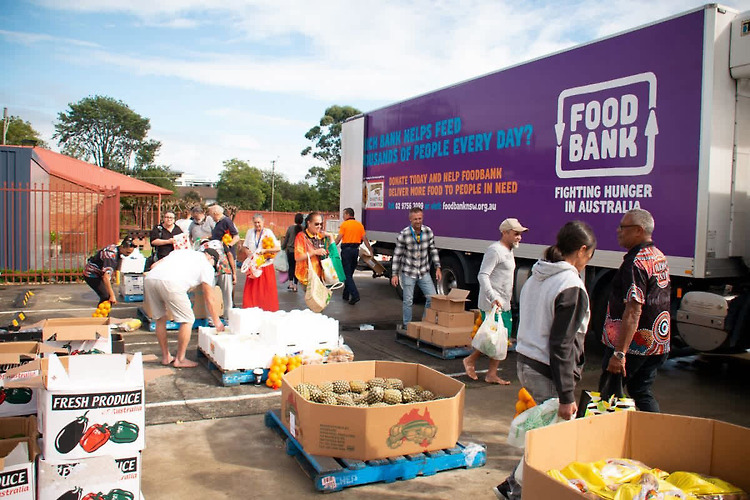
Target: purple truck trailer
[(657, 117)]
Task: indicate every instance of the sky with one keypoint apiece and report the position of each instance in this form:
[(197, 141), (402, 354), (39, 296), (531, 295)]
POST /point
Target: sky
[(246, 79)]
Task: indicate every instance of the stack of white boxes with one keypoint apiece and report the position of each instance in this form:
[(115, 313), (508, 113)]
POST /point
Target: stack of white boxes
[(253, 336), (131, 270)]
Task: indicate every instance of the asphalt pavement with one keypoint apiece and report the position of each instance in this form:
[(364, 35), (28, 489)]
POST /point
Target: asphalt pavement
[(205, 440)]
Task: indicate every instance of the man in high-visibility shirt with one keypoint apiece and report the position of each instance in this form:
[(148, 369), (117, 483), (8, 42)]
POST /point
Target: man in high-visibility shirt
[(351, 235)]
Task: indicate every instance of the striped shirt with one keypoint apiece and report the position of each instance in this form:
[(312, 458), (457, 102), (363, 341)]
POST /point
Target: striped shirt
[(104, 261), (414, 252)]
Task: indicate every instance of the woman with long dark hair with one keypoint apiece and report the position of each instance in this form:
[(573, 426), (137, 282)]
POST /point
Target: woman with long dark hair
[(287, 244), (310, 243)]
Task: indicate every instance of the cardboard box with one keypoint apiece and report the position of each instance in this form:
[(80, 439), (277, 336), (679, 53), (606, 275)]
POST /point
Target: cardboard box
[(235, 351), (78, 335), (132, 284), (199, 304), (450, 319), (91, 476), (371, 262), (18, 451), (19, 400), (133, 263), (669, 442), (450, 337), (413, 329), (82, 396), (455, 301), (373, 433)]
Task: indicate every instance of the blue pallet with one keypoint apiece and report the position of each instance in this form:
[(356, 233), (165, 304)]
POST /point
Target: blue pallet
[(171, 325), (334, 474), (229, 377), (132, 298), (433, 349)]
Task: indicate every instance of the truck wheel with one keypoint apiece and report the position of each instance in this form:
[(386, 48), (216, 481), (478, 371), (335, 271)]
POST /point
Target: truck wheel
[(452, 275)]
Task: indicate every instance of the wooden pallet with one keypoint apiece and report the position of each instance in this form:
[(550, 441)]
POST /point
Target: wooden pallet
[(228, 378), (334, 474), (438, 351)]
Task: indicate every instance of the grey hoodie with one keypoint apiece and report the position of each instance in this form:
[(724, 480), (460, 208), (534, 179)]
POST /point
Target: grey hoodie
[(554, 316)]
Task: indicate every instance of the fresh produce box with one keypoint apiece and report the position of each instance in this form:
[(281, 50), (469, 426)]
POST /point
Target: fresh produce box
[(96, 478), (79, 335), (18, 450), (19, 400)]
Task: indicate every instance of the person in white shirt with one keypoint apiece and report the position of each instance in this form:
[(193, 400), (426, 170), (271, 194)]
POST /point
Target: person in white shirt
[(166, 289), (495, 289)]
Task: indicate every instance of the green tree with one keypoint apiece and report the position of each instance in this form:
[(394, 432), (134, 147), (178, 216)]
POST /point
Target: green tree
[(146, 154), (20, 131), (326, 136), (103, 129), (326, 182), (159, 175), (242, 185)]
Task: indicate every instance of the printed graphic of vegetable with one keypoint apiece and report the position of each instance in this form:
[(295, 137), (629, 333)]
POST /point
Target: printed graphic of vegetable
[(417, 431), (18, 396), (2, 396), (117, 494), (94, 438), (123, 432), (95, 496), (71, 494), (71, 434)]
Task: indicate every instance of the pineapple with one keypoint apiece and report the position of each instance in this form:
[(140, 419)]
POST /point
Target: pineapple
[(375, 395), (417, 388), (316, 394), (304, 391), (329, 398), (426, 396), (408, 395), (392, 396), (344, 400), (326, 386), (358, 386), (340, 386), (394, 383), (360, 398), (376, 382), (375, 405)]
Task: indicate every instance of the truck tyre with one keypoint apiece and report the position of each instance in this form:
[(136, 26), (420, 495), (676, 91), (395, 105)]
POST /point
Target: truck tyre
[(452, 275)]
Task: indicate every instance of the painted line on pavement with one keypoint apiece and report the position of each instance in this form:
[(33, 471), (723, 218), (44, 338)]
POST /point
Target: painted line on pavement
[(212, 400), (27, 311), (463, 374)]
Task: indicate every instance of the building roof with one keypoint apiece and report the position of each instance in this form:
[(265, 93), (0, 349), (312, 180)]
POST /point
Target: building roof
[(91, 176), (205, 192)]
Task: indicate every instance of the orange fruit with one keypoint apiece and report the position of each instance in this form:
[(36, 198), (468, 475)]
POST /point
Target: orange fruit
[(524, 395), (520, 407), (530, 404), (269, 383)]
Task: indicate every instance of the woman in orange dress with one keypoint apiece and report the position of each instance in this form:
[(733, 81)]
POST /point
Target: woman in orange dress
[(311, 242), (261, 291)]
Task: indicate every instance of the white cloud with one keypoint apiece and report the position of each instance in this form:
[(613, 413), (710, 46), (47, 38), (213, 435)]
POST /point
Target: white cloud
[(26, 38)]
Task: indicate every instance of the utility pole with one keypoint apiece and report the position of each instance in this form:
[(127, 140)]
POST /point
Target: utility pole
[(6, 122), (273, 180)]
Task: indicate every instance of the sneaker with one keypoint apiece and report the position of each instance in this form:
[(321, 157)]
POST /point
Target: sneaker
[(353, 300), (400, 328), (502, 490)]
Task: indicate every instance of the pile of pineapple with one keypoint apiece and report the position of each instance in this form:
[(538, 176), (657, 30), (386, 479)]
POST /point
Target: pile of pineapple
[(373, 393)]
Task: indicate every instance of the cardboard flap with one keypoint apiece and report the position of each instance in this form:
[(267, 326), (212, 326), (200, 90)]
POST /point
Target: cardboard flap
[(62, 329), (26, 375), (455, 295), (94, 371), (14, 452)]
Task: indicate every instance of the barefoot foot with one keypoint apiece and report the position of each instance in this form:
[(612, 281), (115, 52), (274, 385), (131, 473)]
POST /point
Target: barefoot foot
[(496, 380), (167, 361), (185, 363), (470, 369)]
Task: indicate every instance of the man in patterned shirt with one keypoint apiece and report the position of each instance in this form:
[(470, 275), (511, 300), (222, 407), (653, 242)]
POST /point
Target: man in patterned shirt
[(637, 328), (415, 249), (101, 266)]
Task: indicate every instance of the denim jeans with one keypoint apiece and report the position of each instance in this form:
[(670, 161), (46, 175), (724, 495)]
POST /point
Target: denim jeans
[(407, 284), (349, 259), (541, 389), (641, 373)]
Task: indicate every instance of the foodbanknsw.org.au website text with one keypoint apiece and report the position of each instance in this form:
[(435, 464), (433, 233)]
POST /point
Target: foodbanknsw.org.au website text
[(462, 205)]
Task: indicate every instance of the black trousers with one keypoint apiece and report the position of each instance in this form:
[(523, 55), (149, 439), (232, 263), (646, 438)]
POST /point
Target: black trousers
[(641, 373), (97, 285), (349, 259)]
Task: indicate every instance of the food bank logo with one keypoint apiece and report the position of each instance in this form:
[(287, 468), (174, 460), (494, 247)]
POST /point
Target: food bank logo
[(607, 129)]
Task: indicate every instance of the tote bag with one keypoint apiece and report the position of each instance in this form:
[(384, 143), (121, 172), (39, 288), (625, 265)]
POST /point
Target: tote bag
[(317, 296), (338, 264)]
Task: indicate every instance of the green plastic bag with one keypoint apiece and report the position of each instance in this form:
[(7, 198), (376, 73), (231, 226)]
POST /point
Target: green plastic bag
[(338, 265)]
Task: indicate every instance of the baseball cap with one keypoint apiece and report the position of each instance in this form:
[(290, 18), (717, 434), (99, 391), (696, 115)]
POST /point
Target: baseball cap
[(214, 254), (512, 224)]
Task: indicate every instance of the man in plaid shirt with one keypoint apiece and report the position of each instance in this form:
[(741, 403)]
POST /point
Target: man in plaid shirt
[(415, 248)]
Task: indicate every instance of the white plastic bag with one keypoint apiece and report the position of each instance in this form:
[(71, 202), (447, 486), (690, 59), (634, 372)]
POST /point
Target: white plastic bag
[(535, 417), (492, 337), (280, 262)]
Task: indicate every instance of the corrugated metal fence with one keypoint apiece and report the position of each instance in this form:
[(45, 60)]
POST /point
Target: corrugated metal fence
[(47, 233)]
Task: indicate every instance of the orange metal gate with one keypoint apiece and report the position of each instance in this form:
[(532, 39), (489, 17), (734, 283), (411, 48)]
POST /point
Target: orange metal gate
[(47, 233)]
